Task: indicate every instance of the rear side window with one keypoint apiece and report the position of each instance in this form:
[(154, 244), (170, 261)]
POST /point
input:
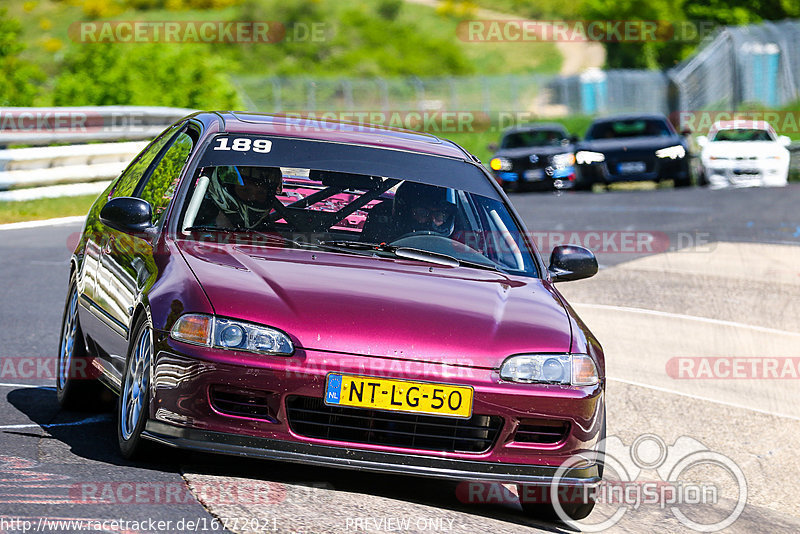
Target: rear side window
[(127, 183), (161, 186)]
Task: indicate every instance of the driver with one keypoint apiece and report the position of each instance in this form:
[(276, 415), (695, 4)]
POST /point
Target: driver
[(244, 195), (422, 208)]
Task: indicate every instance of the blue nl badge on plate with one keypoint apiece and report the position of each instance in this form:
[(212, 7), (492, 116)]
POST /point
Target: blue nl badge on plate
[(334, 389)]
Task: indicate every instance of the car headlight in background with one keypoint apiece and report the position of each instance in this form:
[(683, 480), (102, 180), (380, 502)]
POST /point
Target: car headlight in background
[(230, 334), (567, 369), (671, 152), (500, 164), (560, 161), (585, 157)]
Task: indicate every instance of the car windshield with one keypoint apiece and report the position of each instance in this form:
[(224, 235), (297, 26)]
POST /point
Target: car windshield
[(629, 128), (532, 138), (742, 134), (386, 211)]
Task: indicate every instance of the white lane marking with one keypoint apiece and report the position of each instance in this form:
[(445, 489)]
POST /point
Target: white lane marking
[(87, 421), (701, 398), (44, 222), (7, 385), (688, 318)]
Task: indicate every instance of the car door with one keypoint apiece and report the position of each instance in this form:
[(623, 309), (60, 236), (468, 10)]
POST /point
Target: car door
[(129, 264), (115, 282)]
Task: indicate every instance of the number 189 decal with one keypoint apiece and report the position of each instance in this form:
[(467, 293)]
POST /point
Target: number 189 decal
[(244, 144)]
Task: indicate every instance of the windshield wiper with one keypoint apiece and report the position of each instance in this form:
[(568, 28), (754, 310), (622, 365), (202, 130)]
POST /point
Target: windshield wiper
[(222, 229), (411, 254)]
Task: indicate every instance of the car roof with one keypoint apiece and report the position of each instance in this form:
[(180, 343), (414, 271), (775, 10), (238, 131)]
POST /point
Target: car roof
[(535, 127), (318, 128), (630, 116)]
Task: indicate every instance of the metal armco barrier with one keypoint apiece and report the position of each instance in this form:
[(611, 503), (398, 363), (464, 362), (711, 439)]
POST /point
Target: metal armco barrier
[(47, 126)]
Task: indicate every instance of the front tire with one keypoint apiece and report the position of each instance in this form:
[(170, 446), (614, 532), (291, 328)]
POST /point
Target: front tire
[(76, 385), (541, 509), (133, 404)]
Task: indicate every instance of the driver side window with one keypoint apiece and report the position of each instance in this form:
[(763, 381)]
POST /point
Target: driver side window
[(130, 178)]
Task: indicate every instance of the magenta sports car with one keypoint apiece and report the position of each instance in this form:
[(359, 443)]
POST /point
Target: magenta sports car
[(332, 294)]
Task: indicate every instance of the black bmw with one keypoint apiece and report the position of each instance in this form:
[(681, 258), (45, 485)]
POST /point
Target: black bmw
[(534, 157), (632, 148)]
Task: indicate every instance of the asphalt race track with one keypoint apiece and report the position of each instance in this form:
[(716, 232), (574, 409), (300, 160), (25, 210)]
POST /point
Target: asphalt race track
[(684, 274)]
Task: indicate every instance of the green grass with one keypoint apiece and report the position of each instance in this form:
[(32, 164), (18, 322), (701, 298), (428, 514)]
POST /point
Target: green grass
[(44, 208)]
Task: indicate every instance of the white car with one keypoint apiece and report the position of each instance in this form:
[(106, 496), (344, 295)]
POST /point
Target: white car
[(744, 153)]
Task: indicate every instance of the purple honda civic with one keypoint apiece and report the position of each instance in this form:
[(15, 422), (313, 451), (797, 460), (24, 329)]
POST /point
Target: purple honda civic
[(332, 294)]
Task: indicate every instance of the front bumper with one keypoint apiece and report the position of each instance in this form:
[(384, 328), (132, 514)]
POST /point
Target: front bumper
[(379, 462), (656, 169), (733, 173), (537, 179), (182, 414)]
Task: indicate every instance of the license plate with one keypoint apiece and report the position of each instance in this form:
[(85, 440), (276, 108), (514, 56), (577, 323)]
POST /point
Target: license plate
[(630, 167), (533, 175), (398, 395)]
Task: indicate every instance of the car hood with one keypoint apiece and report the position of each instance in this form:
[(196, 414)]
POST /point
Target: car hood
[(630, 143), (383, 307), (743, 149)]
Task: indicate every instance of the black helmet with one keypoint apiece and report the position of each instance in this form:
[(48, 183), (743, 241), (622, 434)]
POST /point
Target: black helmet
[(424, 208)]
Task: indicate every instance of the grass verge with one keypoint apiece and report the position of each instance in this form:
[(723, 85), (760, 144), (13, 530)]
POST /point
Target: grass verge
[(44, 208)]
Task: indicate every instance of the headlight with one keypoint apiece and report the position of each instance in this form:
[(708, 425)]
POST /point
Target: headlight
[(671, 152), (500, 164), (230, 334), (585, 157), (568, 369), (563, 160)]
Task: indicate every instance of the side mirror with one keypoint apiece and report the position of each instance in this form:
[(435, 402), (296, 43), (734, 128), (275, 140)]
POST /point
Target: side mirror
[(127, 214), (785, 140), (571, 262), (492, 147), (702, 141)]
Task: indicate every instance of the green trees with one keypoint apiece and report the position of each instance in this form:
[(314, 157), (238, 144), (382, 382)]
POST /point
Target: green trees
[(153, 74), (18, 78)]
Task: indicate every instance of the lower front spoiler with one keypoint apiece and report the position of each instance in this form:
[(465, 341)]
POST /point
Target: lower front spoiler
[(379, 462)]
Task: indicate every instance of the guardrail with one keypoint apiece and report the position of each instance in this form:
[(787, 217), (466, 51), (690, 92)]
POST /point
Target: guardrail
[(44, 166), (47, 126)]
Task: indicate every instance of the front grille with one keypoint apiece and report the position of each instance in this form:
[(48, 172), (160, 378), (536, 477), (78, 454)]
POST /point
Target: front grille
[(310, 417), (241, 402), (542, 431)]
